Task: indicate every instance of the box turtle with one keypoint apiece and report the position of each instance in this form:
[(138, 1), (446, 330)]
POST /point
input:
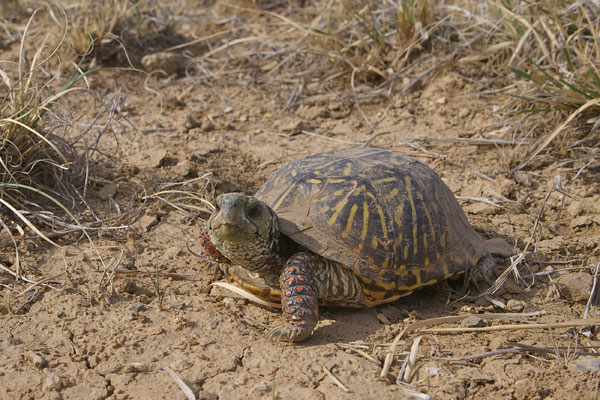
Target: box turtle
[(350, 227)]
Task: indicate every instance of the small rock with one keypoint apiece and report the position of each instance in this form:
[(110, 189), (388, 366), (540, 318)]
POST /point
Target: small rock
[(585, 363), (513, 305), (522, 178), (183, 168), (181, 364), (331, 365), (204, 395), (193, 119), (440, 100), (154, 331), (13, 341), (575, 287), (432, 371), (481, 208), (137, 307), (127, 286), (292, 127), (262, 387), (582, 220), (228, 110), (37, 360), (208, 126), (164, 61), (228, 301), (463, 113), (575, 208), (549, 245), (52, 382), (152, 158), (205, 342), (472, 322), (146, 222), (242, 379)]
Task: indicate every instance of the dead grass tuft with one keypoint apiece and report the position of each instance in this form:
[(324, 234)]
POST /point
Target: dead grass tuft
[(44, 164), (555, 51), (112, 32), (372, 39)]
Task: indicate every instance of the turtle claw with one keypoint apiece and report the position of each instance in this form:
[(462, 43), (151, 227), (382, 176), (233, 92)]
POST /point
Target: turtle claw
[(220, 270), (283, 333)]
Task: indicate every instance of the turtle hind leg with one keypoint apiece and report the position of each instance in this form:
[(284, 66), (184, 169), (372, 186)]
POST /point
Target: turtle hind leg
[(483, 272), (298, 300)]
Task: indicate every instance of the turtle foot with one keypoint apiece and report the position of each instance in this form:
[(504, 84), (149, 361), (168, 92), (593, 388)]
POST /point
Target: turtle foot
[(288, 333)]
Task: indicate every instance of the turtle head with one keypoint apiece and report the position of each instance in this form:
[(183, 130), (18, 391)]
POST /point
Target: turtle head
[(244, 229)]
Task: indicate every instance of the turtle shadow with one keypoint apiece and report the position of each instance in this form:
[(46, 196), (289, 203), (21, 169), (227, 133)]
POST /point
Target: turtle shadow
[(347, 325), (344, 325)]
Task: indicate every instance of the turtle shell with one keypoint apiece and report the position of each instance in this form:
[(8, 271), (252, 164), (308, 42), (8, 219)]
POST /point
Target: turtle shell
[(387, 217)]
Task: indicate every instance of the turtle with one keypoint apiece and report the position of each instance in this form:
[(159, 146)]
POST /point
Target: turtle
[(354, 227)]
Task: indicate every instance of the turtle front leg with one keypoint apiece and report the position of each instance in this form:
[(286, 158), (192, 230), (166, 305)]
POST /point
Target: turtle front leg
[(221, 262), (298, 300)]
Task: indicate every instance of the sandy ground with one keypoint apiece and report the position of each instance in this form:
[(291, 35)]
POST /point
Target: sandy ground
[(92, 335)]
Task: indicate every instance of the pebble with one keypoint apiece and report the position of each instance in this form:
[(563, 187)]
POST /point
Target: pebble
[(52, 381), (205, 342), (228, 301), (184, 168), (242, 379), (137, 307), (472, 322), (204, 395), (177, 305), (575, 208), (154, 331), (14, 341), (513, 305), (181, 364), (585, 363), (146, 222), (291, 127), (208, 126), (262, 387), (38, 360), (463, 113), (575, 287), (582, 220)]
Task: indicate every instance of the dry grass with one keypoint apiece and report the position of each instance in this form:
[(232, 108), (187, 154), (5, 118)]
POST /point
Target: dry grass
[(30, 155), (555, 49), (44, 164)]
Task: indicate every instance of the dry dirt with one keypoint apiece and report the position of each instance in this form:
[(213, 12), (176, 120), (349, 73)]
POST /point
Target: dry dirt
[(85, 336)]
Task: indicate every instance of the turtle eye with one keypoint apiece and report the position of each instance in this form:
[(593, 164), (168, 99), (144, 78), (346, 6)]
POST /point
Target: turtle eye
[(254, 210), (217, 208)]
